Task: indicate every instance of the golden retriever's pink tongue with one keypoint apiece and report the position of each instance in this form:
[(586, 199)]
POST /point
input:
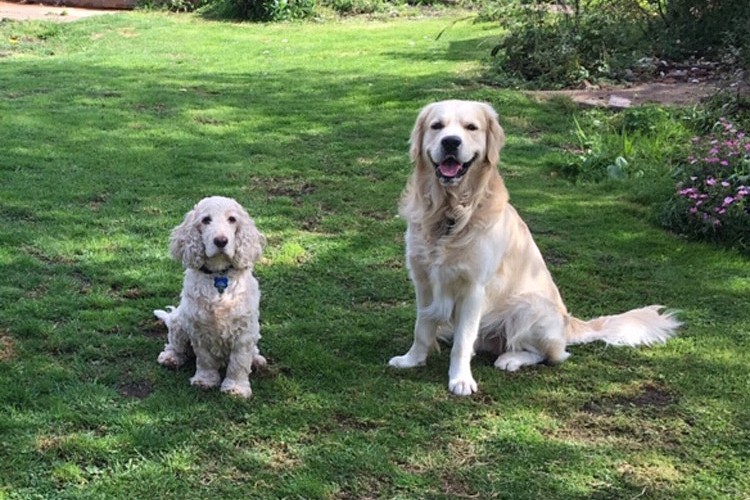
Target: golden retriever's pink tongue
[(449, 168)]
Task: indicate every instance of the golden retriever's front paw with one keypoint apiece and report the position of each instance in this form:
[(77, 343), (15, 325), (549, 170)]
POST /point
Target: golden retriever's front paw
[(205, 379), (465, 386), (405, 361), (235, 388)]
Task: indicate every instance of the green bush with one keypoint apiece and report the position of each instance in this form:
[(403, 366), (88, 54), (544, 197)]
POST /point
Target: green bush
[(173, 5), (354, 7), (261, 10), (704, 28), (550, 46), (733, 105)]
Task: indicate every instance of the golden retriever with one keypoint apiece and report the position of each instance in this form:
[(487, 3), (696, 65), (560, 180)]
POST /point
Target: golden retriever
[(475, 267)]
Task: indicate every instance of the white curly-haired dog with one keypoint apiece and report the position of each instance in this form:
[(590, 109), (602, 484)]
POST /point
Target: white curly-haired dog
[(218, 244)]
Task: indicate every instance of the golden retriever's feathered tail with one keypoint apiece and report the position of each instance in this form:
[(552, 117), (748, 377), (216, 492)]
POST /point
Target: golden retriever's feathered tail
[(644, 326)]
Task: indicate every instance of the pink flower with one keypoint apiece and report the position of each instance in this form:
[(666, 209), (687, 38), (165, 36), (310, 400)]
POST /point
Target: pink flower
[(725, 184), (710, 181)]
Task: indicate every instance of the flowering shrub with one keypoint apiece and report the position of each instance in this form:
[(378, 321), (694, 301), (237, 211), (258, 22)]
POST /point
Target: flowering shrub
[(712, 196)]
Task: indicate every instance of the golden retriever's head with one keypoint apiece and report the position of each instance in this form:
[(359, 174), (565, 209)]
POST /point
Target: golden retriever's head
[(453, 137)]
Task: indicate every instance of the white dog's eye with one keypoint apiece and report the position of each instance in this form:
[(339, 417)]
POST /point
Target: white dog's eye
[(437, 126), (232, 219), (206, 220), (471, 127)]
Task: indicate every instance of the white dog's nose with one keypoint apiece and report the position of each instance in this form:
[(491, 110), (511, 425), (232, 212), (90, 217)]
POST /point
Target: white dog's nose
[(221, 241)]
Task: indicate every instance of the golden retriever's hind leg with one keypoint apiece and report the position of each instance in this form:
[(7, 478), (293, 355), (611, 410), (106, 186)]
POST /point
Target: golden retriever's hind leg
[(555, 351), (512, 361)]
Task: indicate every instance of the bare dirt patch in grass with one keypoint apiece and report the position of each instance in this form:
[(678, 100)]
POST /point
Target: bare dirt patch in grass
[(676, 94), (7, 347), (39, 12)]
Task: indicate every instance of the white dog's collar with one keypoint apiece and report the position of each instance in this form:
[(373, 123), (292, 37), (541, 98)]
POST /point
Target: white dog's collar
[(221, 280)]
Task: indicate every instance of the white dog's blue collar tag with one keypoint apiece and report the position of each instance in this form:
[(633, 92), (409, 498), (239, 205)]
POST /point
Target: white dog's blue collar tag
[(221, 283)]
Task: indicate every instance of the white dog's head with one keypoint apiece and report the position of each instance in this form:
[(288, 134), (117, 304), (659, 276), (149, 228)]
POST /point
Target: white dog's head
[(217, 233), (453, 136)]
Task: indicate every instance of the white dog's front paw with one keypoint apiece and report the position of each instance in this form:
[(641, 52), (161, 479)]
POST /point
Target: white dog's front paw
[(205, 379), (259, 362), (240, 389), (463, 386), (406, 361), (171, 359)]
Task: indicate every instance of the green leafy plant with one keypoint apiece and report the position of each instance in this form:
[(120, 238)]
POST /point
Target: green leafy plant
[(260, 10), (558, 45)]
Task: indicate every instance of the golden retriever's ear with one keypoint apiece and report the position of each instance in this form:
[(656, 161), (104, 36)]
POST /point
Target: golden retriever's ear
[(186, 244), (495, 135), (250, 243), (417, 133)]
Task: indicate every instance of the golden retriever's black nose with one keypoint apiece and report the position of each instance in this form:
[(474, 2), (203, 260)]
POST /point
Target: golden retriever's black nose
[(450, 142), (221, 241)]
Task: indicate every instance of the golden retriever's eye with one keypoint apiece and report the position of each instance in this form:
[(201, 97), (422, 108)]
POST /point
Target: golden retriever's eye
[(232, 219), (437, 126), (206, 220), (471, 127)]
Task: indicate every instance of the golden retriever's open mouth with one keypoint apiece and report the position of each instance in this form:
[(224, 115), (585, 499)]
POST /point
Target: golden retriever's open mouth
[(451, 168)]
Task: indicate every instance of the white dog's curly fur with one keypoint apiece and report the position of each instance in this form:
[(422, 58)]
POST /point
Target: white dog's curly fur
[(217, 318)]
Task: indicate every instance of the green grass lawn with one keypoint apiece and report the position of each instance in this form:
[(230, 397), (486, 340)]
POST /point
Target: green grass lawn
[(112, 128)]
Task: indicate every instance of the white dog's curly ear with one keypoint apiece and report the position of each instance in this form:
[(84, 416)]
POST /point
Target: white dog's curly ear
[(495, 135), (186, 245), (250, 244)]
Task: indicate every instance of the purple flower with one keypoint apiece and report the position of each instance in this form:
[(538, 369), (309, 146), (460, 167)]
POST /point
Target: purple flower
[(725, 184), (728, 201), (710, 181)]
